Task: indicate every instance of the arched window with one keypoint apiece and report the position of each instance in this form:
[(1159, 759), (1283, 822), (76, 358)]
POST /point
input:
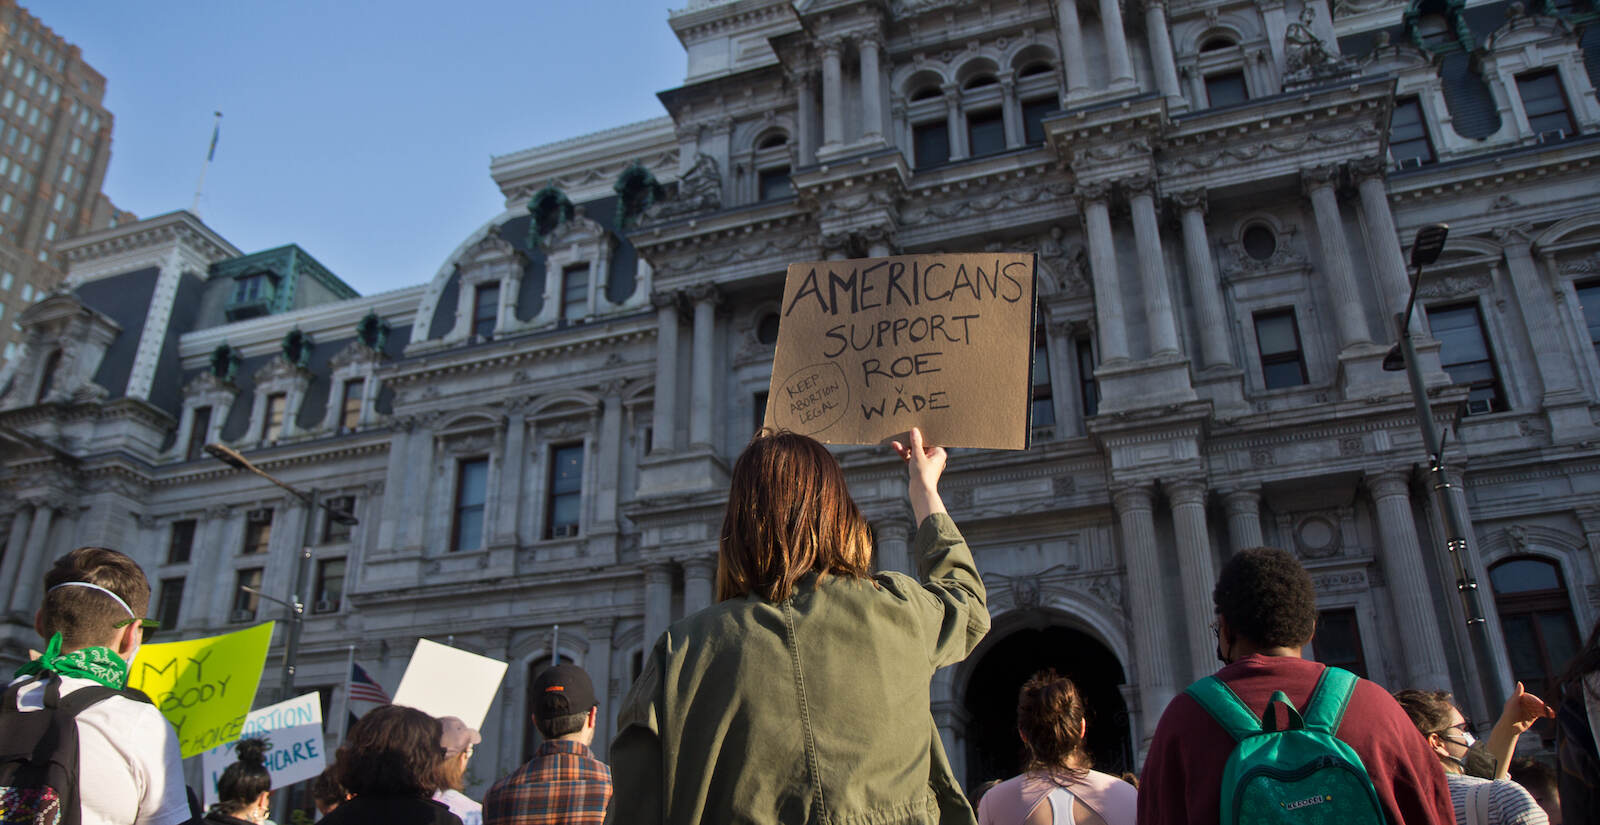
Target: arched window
[(979, 82), (47, 376), (1217, 43), (925, 93), (1036, 68), (1536, 618), (773, 141)]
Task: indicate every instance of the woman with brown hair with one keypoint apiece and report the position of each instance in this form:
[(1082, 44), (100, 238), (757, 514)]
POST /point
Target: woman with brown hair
[(388, 763), (803, 695), (1050, 720)]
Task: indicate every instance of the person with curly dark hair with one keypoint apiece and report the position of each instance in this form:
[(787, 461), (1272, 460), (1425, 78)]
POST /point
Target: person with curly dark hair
[(387, 763), (245, 788), (1056, 767), (1266, 610)]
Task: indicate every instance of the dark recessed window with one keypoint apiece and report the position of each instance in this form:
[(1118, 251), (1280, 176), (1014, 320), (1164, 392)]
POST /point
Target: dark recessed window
[(350, 410), (245, 602), (1408, 134), (925, 93), (575, 292), (272, 422), (472, 487), (1044, 408), (1434, 30), (1033, 114), (1278, 338), (1337, 641), (169, 602), (257, 531), (1465, 354), (980, 81), (1088, 388), (180, 542), (1226, 89), (1035, 68), (986, 132), (333, 530), (1536, 617), (773, 141), (1216, 44), (199, 426), (52, 362), (1545, 102), (759, 405), (565, 504), (1589, 299), (767, 329), (775, 183), (485, 310), (330, 586), (1259, 242), (932, 144)]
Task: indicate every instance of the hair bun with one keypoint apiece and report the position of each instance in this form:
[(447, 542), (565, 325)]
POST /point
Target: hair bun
[(253, 752)]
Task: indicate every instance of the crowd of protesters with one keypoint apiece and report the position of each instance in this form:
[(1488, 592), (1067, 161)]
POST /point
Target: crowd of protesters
[(803, 696)]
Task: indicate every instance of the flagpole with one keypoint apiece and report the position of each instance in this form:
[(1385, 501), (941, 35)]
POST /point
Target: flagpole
[(216, 131), (344, 701)]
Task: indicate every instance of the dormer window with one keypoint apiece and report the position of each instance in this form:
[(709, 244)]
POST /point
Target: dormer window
[(252, 296)]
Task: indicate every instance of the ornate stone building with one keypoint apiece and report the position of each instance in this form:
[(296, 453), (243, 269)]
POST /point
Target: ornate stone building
[(1220, 194)]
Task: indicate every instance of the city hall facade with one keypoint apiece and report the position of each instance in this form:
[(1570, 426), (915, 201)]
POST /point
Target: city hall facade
[(536, 436)]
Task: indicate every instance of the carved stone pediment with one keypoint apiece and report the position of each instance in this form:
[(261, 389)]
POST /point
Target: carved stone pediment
[(1453, 286), (278, 370), (580, 229), (207, 383), (355, 353)]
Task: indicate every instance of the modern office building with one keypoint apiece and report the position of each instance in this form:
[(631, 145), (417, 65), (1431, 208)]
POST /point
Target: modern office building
[(55, 142), (536, 437)]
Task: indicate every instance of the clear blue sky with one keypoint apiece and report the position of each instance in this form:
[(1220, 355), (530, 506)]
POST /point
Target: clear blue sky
[(359, 129)]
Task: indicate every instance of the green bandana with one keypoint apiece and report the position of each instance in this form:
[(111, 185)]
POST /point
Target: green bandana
[(97, 664)]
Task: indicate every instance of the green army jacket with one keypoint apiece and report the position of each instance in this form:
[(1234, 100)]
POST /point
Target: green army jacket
[(812, 710)]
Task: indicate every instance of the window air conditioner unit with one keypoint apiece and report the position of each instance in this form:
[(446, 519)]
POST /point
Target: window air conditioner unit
[(1552, 135), (1414, 162), (259, 516), (324, 606), (1479, 406), (561, 531), (242, 616)]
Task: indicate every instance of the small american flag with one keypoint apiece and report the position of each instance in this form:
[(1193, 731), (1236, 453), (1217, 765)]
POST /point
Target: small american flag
[(364, 688)]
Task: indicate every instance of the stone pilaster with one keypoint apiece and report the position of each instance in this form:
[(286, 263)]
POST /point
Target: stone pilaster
[(832, 94), (1197, 570), (1204, 287), (657, 600), (699, 583), (1116, 38), (1160, 323), (1103, 272), (1146, 614), (1338, 270), (1072, 59), (1244, 517), (703, 402), (1159, 38), (665, 414), (1420, 640)]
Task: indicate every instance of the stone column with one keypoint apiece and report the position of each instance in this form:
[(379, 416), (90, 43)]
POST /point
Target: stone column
[(665, 413), (657, 600), (509, 508), (1196, 568), (703, 386), (597, 662), (806, 118), (1421, 643), (1204, 286), (1103, 272), (1347, 310), (954, 122), (1160, 40), (1244, 517), (1151, 654), (1010, 112), (16, 542), (27, 590), (699, 583), (894, 541), (1063, 379), (1394, 282), (1116, 42), (1533, 294), (1160, 322), (608, 475), (832, 94), (1072, 59), (871, 88)]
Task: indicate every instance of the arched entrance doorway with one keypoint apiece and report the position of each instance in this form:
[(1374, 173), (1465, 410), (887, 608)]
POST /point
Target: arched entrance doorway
[(993, 749)]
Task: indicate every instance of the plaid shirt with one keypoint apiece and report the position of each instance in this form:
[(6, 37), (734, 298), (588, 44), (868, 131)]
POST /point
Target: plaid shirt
[(563, 784)]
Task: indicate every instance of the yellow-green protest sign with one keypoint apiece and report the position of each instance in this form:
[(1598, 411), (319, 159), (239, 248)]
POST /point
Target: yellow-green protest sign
[(204, 686)]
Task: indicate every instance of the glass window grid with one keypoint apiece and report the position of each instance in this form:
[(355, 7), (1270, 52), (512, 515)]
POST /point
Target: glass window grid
[(1088, 388), (563, 509), (199, 428), (333, 532), (986, 132), (169, 602), (350, 410), (775, 183), (1408, 133), (1466, 356), (485, 309), (472, 485), (180, 541), (272, 421), (330, 585), (1545, 103), (245, 604), (931, 143), (257, 533), (1226, 88), (1589, 300), (1278, 342), (1337, 641), (574, 292)]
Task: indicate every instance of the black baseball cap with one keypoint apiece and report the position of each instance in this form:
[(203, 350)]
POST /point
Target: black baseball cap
[(562, 691)]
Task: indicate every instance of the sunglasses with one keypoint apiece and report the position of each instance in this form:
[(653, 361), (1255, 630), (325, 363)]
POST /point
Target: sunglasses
[(147, 627)]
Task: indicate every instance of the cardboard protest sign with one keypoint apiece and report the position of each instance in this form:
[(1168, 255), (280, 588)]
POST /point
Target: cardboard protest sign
[(444, 681), (204, 686), (293, 728), (869, 348)]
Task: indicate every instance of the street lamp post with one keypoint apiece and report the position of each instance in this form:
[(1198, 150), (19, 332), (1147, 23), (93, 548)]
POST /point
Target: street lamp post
[(1424, 251), (295, 603)]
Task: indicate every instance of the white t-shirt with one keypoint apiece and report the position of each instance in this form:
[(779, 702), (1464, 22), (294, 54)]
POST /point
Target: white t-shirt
[(129, 770)]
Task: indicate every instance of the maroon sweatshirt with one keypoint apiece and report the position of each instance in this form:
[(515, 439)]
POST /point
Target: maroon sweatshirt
[(1182, 780)]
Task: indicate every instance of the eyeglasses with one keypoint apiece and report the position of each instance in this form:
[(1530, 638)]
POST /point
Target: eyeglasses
[(147, 627)]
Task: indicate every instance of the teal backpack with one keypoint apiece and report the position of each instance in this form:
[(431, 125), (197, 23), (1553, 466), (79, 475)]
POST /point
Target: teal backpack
[(1300, 774)]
